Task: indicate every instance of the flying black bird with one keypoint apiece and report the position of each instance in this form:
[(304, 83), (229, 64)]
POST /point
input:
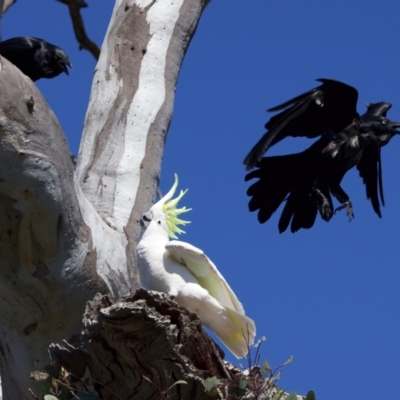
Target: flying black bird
[(35, 57), (307, 180)]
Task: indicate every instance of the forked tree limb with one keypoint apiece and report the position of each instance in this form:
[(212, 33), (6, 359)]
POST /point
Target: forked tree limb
[(75, 7), (130, 109)]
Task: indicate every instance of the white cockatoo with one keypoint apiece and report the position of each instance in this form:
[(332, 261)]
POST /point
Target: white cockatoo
[(185, 272)]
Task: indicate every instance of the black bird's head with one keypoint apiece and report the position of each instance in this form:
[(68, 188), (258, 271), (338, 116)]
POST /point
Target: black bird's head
[(36, 58), (379, 125), (375, 120), (56, 61)]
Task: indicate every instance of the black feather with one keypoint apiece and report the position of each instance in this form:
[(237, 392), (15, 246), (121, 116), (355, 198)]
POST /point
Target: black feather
[(35, 57), (307, 180)]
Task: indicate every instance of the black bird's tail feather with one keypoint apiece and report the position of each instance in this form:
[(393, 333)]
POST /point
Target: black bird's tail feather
[(276, 178), (300, 210), (281, 178)]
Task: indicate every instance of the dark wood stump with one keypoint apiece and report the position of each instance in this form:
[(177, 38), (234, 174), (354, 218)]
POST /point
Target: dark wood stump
[(144, 346)]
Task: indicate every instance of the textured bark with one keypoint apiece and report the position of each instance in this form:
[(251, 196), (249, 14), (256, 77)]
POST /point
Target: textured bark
[(44, 242), (145, 346), (139, 346), (65, 235)]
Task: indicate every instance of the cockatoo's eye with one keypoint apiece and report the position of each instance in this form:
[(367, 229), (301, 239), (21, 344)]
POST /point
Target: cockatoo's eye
[(159, 222)]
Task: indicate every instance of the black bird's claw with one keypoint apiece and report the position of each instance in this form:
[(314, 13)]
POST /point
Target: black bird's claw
[(349, 208), (323, 203)]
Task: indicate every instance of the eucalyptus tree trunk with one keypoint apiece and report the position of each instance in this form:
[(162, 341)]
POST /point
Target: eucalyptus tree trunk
[(64, 234)]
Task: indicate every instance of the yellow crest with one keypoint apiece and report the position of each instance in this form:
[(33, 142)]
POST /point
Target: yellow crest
[(169, 207)]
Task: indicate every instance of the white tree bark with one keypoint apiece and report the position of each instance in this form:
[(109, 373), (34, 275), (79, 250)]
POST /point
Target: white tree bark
[(65, 235), (6, 4), (130, 111)]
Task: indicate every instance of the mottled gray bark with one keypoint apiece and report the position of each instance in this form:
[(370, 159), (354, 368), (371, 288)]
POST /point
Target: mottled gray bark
[(46, 268), (139, 346), (65, 235)]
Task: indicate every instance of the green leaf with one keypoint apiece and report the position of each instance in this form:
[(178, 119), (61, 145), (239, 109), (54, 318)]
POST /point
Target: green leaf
[(288, 361), (50, 397), (211, 384), (265, 368), (242, 383), (291, 396), (310, 395), (241, 387)]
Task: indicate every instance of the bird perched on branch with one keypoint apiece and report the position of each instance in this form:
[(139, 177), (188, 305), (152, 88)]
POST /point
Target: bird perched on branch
[(307, 180), (185, 272), (35, 57)]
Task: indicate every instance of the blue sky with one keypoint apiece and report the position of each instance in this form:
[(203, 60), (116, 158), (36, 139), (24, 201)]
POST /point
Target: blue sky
[(330, 295)]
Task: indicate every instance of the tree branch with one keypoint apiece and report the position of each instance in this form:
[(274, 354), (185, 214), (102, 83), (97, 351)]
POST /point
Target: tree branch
[(74, 7), (131, 107), (7, 4)]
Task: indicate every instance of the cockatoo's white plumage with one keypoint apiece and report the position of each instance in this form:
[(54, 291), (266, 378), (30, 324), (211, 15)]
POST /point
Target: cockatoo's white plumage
[(185, 272)]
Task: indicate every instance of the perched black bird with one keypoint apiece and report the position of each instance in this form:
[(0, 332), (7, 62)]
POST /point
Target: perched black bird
[(307, 180), (35, 57)]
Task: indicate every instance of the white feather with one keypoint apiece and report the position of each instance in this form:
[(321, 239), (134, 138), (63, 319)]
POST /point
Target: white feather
[(185, 272)]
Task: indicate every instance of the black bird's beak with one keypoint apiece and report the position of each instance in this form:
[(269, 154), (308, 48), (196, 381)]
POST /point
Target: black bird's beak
[(394, 125), (64, 67)]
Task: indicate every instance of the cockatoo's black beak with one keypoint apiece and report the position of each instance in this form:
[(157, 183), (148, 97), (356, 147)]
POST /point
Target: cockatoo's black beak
[(146, 218)]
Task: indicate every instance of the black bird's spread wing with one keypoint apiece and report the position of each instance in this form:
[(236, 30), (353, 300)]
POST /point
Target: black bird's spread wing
[(370, 169), (329, 107)]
